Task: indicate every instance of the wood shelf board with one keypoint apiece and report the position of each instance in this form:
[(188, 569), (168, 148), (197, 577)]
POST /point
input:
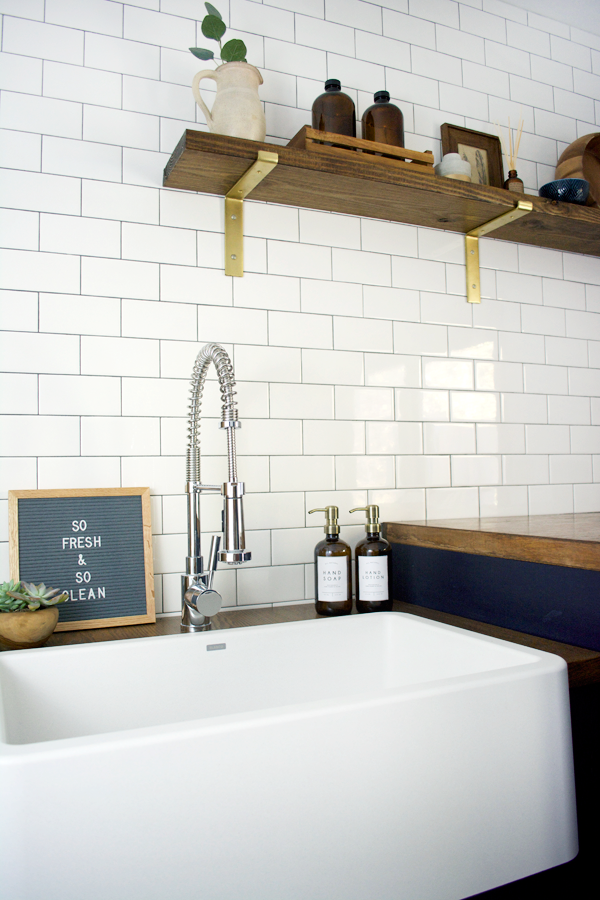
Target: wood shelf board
[(212, 163), (571, 540)]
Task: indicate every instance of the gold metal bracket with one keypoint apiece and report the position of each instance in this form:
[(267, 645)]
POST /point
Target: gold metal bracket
[(234, 210), (522, 208)]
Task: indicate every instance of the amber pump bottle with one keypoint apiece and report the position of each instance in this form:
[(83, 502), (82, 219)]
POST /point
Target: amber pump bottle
[(333, 578), (372, 559), (383, 122), (334, 111)]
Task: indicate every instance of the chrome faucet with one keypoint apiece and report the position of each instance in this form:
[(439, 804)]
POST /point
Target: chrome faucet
[(198, 599)]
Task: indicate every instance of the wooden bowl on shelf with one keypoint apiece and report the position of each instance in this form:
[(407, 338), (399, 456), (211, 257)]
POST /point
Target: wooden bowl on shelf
[(581, 159)]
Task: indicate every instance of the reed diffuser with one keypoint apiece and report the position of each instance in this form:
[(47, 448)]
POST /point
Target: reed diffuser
[(513, 182)]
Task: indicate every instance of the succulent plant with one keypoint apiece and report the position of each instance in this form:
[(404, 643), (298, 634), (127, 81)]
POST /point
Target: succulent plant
[(22, 595), (214, 27)]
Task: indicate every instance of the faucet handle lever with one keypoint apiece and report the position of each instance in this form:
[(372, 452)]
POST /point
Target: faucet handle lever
[(212, 558)]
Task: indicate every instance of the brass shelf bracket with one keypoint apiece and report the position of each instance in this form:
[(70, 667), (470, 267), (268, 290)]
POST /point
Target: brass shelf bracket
[(234, 210), (522, 208)]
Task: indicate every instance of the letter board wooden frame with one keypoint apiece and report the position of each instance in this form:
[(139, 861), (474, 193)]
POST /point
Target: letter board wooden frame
[(95, 543)]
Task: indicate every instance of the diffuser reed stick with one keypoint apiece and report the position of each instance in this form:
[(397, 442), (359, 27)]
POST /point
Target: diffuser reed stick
[(512, 183)]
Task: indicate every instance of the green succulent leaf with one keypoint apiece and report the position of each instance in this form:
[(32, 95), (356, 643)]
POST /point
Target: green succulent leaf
[(234, 51), (213, 28), (202, 54), (213, 11)]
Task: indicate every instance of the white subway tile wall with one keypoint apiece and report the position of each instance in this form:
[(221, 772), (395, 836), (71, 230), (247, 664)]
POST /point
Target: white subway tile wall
[(363, 374)]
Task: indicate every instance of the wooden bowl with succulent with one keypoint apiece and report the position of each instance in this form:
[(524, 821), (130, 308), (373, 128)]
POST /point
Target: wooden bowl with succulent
[(28, 613)]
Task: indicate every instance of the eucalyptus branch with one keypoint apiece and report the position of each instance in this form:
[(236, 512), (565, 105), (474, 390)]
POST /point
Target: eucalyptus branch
[(213, 27)]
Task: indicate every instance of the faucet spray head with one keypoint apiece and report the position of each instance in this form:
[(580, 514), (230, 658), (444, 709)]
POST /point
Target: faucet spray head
[(234, 539)]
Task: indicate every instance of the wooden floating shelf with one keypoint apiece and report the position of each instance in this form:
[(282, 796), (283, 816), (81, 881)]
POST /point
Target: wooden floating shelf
[(212, 163)]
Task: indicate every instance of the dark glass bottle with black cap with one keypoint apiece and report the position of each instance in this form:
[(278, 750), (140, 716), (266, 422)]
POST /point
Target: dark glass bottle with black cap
[(334, 111), (383, 122)]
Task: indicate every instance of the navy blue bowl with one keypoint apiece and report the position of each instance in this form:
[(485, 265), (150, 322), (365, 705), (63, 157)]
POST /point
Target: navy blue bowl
[(569, 190)]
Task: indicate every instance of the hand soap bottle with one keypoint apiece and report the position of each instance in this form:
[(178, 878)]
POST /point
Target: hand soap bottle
[(333, 578), (372, 558)]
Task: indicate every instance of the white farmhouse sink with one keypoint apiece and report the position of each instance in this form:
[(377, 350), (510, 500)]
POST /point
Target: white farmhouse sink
[(378, 757)]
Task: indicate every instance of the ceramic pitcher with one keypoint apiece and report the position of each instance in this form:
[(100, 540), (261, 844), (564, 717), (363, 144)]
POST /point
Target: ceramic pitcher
[(237, 110)]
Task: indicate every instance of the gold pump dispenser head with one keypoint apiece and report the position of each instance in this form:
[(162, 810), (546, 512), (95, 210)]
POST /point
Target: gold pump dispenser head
[(372, 525), (331, 518)]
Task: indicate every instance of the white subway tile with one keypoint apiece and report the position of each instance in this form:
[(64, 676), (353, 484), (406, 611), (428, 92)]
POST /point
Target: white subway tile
[(392, 370), (121, 201), (581, 268), (76, 234), (19, 310), (364, 403), (503, 500), (362, 334), (567, 294), (268, 364), (388, 237), (443, 246), (498, 376), (553, 126), (234, 325), (445, 503), (545, 379), (408, 28), (274, 584), (550, 500), (295, 60), (481, 78), (325, 228), (44, 41), (459, 100), (270, 437), (531, 93), (25, 9), (458, 43), (302, 473), (572, 469), (290, 329), (569, 52), (521, 347), (306, 401), (79, 395), (21, 71), (473, 407), (93, 15), (472, 343), (445, 309), (584, 382), (183, 209), (154, 397), (443, 437), (540, 261), (162, 474), (400, 505), (430, 340), (323, 35), (474, 21), (20, 150), (446, 373), (391, 303), (594, 353), (524, 408), (436, 10), (413, 88), (360, 266), (383, 50), (70, 472), (19, 230), (286, 258), (123, 128), (277, 510), (119, 356), (528, 469), (31, 271), (475, 470), (566, 103), (17, 473), (119, 278), (152, 27), (592, 297), (364, 472), (67, 82), (43, 193), (332, 367), (520, 288), (168, 552), (422, 471), (509, 59), (294, 545), (330, 297), (566, 351), (568, 410), (542, 320), (585, 83), (394, 438), (119, 436), (155, 243), (585, 439), (583, 325), (59, 117), (18, 394), (422, 406), (144, 95), (188, 284), (333, 437), (547, 438), (63, 156), (586, 497), (41, 435), (446, 69), (118, 55), (80, 315), (500, 438)]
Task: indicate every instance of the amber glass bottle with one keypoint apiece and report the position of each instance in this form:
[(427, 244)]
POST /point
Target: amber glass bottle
[(383, 122), (372, 559), (333, 575), (334, 111)]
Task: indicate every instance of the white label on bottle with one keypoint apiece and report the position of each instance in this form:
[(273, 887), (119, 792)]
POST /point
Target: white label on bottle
[(332, 575), (373, 578)]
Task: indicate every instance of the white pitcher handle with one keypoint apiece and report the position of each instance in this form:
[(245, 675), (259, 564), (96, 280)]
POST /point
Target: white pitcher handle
[(206, 73)]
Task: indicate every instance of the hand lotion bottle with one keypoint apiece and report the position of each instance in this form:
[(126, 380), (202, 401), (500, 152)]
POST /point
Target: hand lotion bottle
[(333, 574), (372, 558)]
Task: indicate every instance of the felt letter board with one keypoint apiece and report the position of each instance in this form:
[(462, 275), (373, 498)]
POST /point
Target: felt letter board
[(95, 544)]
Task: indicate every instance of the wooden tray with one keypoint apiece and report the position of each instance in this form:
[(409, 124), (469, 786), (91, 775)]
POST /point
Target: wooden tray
[(339, 145)]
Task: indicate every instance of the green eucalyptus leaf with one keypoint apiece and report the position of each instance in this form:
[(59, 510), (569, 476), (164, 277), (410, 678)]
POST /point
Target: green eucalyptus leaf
[(202, 54), (234, 51), (213, 28), (213, 11)]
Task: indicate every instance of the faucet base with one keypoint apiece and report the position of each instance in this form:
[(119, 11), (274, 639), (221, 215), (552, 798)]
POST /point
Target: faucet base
[(206, 627)]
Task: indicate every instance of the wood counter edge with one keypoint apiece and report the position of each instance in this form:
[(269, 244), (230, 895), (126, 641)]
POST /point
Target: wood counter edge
[(583, 665), (571, 553)]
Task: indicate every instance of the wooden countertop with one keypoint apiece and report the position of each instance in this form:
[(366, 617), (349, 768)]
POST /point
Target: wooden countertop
[(563, 540), (583, 665)]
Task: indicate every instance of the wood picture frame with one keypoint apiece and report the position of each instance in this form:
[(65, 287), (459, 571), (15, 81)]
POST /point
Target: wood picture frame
[(93, 543), (483, 151)]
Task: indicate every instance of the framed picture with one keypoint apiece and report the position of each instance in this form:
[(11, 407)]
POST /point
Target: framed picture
[(95, 544), (483, 151)]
